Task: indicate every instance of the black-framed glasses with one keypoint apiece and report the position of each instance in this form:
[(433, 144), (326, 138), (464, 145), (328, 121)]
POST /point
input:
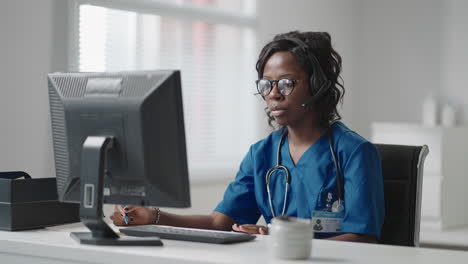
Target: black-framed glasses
[(285, 86)]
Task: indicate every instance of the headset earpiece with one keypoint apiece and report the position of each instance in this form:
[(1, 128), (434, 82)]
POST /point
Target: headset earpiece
[(318, 93), (318, 81)]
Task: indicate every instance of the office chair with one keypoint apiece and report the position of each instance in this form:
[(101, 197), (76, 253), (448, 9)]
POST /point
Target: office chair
[(402, 170)]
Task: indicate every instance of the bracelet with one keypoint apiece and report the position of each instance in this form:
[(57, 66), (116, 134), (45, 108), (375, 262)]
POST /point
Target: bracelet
[(158, 215)]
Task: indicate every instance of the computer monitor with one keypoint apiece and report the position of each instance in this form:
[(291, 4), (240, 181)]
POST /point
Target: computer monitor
[(118, 138)]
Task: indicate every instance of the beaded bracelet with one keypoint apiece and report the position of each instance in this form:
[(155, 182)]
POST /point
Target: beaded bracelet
[(158, 215)]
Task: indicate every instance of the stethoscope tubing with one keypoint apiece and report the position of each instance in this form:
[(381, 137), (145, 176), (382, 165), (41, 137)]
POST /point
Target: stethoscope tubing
[(288, 176)]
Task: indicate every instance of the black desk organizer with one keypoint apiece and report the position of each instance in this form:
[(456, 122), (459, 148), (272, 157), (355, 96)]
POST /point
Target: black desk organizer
[(32, 203)]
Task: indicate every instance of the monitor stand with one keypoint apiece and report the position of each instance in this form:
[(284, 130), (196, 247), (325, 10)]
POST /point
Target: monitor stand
[(93, 165)]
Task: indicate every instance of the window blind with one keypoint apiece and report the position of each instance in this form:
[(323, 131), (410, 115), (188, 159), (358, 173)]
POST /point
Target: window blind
[(217, 63)]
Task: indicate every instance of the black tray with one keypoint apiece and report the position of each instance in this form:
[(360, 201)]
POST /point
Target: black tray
[(32, 203)]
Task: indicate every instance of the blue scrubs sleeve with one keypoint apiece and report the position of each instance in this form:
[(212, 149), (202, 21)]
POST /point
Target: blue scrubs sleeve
[(364, 192), (239, 198)]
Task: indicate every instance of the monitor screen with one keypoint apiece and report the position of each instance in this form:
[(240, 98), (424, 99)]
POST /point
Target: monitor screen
[(142, 113)]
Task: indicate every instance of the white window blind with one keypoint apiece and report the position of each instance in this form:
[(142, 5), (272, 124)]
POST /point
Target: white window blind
[(211, 42)]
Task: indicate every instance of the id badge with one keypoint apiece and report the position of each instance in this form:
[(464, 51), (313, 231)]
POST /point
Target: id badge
[(328, 221)]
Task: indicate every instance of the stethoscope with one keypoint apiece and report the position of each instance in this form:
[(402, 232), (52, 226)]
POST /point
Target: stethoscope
[(280, 167)]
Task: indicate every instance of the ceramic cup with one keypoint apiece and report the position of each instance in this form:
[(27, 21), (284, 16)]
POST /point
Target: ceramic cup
[(290, 238)]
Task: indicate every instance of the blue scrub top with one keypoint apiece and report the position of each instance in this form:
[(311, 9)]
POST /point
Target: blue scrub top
[(312, 178)]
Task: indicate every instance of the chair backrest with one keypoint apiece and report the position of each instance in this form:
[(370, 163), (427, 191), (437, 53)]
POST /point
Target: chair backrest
[(402, 170)]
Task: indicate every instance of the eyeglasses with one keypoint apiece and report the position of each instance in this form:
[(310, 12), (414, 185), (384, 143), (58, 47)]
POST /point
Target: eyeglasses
[(285, 86)]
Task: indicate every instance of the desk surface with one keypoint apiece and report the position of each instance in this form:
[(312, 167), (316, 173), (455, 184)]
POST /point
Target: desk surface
[(54, 245), (451, 238)]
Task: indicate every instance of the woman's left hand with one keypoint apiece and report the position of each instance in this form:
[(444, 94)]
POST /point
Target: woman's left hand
[(251, 229)]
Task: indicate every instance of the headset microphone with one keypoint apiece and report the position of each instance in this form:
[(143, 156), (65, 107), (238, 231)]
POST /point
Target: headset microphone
[(308, 102), (319, 93), (318, 78)]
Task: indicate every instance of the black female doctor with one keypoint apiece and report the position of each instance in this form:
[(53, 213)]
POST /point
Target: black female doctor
[(312, 166)]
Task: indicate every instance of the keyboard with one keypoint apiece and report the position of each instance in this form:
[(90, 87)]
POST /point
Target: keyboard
[(187, 234)]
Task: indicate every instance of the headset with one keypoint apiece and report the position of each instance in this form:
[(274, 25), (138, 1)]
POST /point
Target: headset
[(318, 81)]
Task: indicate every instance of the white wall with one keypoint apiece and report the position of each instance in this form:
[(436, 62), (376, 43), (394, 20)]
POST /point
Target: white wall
[(454, 64), (400, 59), (33, 43), (394, 52), (410, 49)]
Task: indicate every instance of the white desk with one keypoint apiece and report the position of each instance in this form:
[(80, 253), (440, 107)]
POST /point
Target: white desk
[(455, 238), (55, 246)]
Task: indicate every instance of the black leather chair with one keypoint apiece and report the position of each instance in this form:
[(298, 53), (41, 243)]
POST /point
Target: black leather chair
[(402, 169)]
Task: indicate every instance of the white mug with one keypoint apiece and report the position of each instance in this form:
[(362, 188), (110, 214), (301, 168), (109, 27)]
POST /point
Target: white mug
[(290, 237)]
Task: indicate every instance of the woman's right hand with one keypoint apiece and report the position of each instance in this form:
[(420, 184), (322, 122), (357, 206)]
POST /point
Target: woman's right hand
[(251, 229), (137, 215)]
